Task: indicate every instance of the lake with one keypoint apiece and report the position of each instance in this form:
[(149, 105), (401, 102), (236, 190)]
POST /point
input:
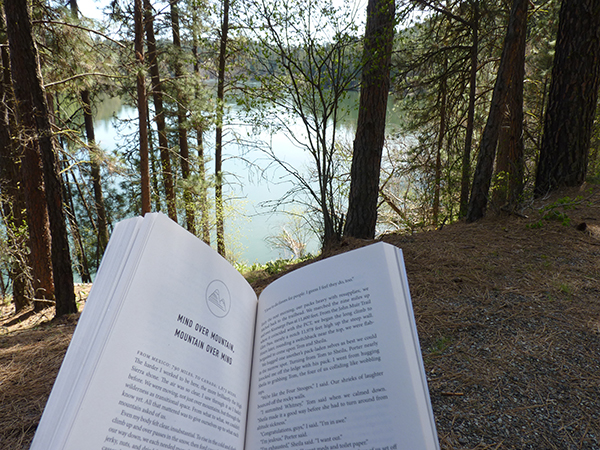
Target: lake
[(248, 224)]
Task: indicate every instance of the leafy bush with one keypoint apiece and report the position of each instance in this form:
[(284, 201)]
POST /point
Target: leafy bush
[(556, 211)]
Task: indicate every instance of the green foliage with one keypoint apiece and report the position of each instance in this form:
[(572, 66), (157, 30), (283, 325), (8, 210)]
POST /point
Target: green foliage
[(440, 345), (277, 266), (293, 64), (257, 271), (556, 211), (432, 79)]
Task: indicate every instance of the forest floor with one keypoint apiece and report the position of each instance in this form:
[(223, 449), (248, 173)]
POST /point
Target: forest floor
[(508, 315)]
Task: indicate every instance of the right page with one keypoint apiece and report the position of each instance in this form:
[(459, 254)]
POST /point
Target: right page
[(337, 362)]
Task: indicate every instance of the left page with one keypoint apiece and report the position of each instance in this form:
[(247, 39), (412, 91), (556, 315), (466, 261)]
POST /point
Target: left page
[(171, 364)]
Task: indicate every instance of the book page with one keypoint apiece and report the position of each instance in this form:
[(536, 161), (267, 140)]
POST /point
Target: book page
[(173, 372), (337, 362), (120, 255)]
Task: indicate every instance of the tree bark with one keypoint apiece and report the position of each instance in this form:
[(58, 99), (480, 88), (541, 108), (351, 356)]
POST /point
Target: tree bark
[(440, 144), (142, 107), (572, 98), (370, 129), (80, 255), (510, 58), (204, 206), (219, 131), (510, 162), (32, 182), (88, 119), (11, 197), (159, 111), (95, 172), (34, 119), (466, 161), (184, 149)]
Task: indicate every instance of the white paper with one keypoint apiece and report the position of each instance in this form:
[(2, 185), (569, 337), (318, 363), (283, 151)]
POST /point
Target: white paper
[(173, 371), (337, 363)]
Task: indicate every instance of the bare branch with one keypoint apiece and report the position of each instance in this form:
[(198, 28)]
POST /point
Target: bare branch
[(81, 75), (99, 33)]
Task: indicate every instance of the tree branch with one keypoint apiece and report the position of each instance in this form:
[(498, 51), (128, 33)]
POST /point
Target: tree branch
[(54, 22), (81, 75)]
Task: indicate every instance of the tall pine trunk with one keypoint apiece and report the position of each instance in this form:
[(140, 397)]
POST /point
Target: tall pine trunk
[(440, 144), (204, 205), (509, 62), (142, 104), (34, 119), (159, 113), (11, 197), (572, 99), (370, 129), (184, 150), (219, 131), (101, 219), (466, 160)]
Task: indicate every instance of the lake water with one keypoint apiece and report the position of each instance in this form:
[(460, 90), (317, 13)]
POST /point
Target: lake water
[(247, 223)]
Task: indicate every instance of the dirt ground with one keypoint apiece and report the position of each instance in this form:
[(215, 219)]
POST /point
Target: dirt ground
[(508, 314)]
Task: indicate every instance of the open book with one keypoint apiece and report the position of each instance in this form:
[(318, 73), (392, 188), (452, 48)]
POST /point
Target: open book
[(174, 351)]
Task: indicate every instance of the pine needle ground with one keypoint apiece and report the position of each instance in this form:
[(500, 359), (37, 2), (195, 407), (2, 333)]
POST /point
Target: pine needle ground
[(508, 314)]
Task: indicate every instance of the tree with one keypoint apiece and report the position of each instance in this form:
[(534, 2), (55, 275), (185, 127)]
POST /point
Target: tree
[(510, 153), (200, 121), (370, 129), (572, 99), (456, 14), (219, 128), (34, 121), (305, 61), (511, 63), (474, 63), (11, 196), (159, 112), (142, 104), (95, 172), (184, 151), (38, 223), (443, 66)]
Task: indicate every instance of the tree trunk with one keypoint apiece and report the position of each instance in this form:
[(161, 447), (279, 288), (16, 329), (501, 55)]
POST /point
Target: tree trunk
[(102, 222), (11, 197), (69, 208), (159, 111), (440, 144), (370, 129), (466, 160), (219, 131), (204, 220), (510, 161), (34, 117), (184, 150), (204, 207), (84, 268), (32, 182), (142, 105), (572, 98), (509, 60), (95, 172)]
